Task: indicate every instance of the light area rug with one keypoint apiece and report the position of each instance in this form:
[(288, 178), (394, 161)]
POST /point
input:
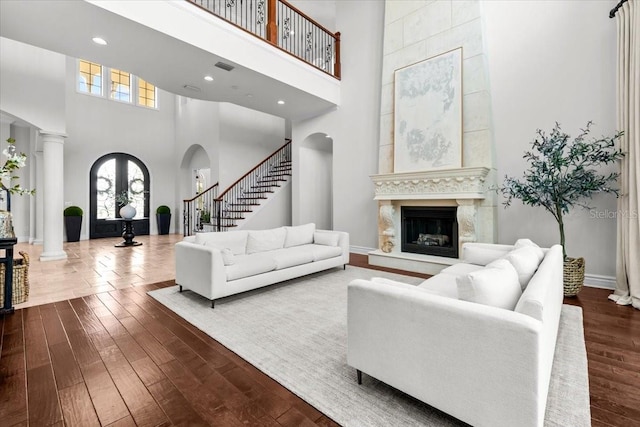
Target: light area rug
[(296, 333)]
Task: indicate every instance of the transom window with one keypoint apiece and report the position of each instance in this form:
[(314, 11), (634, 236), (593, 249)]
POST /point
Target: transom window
[(90, 77), (122, 85), (146, 94)]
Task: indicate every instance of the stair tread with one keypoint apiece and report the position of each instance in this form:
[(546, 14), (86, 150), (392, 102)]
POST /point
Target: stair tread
[(258, 192)]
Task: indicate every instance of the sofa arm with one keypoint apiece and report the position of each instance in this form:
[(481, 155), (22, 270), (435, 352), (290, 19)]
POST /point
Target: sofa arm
[(343, 242), (475, 362), (199, 268)]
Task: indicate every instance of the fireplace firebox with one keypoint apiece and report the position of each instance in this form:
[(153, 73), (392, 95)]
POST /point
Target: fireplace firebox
[(430, 231)]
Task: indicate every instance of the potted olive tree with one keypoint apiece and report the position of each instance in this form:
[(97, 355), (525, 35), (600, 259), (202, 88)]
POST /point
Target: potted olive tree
[(163, 218), (564, 173), (73, 223)]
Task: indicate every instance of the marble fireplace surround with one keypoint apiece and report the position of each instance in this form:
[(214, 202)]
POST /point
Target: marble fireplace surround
[(462, 187)]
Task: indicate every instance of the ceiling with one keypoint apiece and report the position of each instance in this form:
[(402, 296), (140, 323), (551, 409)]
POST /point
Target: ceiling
[(68, 27)]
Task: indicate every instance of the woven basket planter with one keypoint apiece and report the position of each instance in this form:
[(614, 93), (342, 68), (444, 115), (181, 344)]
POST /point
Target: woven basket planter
[(573, 276), (20, 280)]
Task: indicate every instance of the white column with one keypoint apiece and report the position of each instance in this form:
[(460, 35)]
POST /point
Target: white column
[(53, 195)]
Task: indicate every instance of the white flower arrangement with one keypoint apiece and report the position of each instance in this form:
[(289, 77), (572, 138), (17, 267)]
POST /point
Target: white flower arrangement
[(14, 162)]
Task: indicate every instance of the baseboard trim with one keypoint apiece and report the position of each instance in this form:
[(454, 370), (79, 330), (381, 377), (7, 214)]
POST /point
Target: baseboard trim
[(360, 250), (598, 281)]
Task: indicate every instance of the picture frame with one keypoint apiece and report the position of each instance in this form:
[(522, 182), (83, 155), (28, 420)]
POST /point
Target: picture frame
[(428, 114)]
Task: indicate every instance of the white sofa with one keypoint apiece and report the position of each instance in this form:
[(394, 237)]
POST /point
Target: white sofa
[(487, 363), (220, 264)]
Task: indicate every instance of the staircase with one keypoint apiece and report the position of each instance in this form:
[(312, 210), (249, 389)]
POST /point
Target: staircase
[(225, 211)]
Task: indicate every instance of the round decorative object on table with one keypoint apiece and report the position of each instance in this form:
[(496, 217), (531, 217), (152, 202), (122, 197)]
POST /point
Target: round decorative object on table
[(6, 225), (127, 211), (573, 276)]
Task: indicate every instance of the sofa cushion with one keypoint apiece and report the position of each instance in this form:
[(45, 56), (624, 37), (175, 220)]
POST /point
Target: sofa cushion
[(289, 257), (250, 265), (299, 235), (320, 252), (441, 284), (520, 243), (234, 240), (461, 268), (390, 282), (494, 286), (265, 240), (525, 260), (327, 239)]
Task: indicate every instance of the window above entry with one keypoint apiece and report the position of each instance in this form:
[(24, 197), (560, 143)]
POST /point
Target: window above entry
[(122, 85)]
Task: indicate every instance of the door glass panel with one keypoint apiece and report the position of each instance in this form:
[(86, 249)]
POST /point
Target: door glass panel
[(136, 188), (106, 190)]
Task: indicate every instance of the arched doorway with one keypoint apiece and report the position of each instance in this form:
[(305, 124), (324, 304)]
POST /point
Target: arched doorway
[(110, 175), (316, 180)]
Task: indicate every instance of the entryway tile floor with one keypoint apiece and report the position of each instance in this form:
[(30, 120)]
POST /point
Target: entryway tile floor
[(94, 266)]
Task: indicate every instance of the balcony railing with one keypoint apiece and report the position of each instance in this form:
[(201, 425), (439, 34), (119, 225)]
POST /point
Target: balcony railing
[(284, 26)]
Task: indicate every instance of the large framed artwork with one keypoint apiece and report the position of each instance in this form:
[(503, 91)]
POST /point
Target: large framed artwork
[(428, 114)]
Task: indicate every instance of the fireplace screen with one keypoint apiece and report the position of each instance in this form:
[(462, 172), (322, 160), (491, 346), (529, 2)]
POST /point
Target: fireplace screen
[(430, 231)]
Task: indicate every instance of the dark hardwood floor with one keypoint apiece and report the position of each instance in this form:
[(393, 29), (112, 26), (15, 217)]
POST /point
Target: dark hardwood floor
[(120, 358)]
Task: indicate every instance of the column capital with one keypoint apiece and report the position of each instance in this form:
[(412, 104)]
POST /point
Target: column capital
[(52, 135)]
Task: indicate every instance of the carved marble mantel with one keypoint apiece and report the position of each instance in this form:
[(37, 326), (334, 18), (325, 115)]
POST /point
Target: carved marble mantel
[(467, 186)]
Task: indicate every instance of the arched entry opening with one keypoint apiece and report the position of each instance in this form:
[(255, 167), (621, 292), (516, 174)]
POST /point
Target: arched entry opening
[(316, 181), (114, 174)]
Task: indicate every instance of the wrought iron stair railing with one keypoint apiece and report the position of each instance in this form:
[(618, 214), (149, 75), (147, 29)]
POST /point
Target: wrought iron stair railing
[(198, 210), (252, 189), (209, 211), (284, 26)]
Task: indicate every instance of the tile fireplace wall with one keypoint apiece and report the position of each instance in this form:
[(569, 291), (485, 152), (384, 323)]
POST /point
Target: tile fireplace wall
[(415, 31)]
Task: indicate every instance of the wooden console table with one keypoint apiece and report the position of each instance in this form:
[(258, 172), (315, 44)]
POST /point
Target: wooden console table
[(128, 234)]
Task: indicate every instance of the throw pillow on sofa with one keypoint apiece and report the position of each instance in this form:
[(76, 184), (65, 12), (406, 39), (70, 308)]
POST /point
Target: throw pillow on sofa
[(234, 240), (228, 258), (525, 260), (327, 239), (299, 235), (495, 286), (265, 240)]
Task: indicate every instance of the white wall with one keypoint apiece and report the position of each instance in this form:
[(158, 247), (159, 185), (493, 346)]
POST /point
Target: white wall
[(548, 62), (32, 85), (354, 126), (97, 126), (247, 137)]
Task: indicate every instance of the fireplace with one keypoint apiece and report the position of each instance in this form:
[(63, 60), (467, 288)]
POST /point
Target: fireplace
[(430, 231)]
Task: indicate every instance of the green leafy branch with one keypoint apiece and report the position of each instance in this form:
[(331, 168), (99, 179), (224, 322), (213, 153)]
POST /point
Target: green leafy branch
[(562, 172)]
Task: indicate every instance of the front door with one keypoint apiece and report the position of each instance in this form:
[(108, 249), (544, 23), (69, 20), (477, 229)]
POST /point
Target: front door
[(114, 174)]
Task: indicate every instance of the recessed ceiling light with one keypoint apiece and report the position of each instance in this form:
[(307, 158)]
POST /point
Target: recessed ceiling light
[(208, 78), (100, 41), (191, 87), (327, 136), (249, 95), (281, 102)]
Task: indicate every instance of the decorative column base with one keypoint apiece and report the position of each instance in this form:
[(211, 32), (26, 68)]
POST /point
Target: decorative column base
[(466, 216), (53, 256)]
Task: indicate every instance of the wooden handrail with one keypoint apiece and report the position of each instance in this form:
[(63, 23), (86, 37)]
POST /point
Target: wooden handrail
[(314, 22), (220, 196), (200, 194), (271, 35)]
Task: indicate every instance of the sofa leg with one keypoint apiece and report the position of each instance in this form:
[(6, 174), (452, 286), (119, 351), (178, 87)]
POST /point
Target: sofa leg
[(359, 374), (212, 301), (344, 266), (180, 288)]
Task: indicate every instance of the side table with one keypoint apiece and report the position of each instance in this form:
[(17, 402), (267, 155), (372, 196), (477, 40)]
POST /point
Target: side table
[(7, 260), (128, 235)]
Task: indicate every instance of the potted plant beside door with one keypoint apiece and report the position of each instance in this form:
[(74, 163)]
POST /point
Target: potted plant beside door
[(564, 173), (163, 218), (73, 223)]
